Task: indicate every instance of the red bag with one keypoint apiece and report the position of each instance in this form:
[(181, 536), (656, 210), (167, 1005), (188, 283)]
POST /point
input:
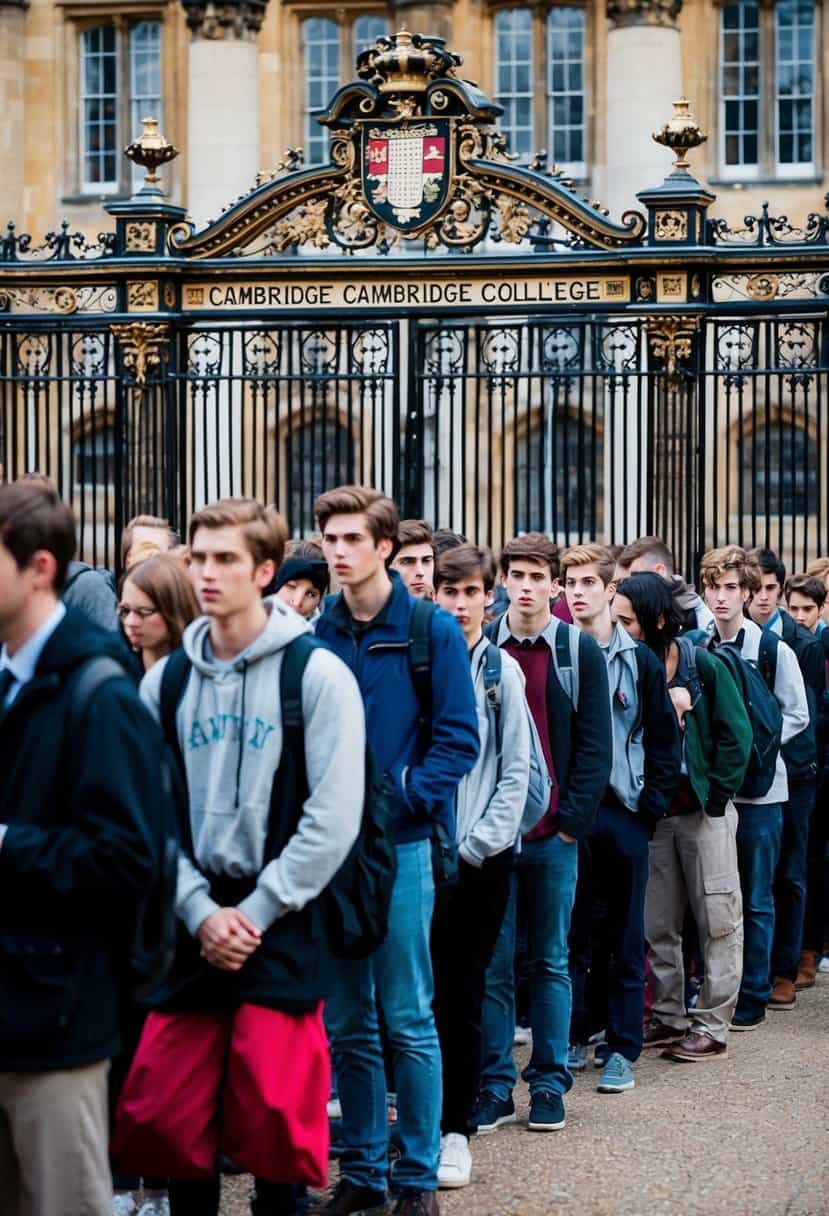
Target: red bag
[(253, 1085)]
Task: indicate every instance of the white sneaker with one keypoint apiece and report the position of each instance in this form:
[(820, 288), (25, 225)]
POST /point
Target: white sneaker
[(823, 965), (523, 1036), (334, 1109), (158, 1205), (455, 1169), (124, 1205)]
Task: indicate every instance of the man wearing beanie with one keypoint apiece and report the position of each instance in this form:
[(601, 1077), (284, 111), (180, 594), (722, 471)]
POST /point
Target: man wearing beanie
[(301, 582)]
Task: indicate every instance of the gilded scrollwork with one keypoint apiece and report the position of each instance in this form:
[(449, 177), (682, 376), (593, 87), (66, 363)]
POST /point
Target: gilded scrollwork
[(514, 220), (671, 341), (140, 236), (765, 285), (144, 348), (671, 226), (142, 296), (88, 298)]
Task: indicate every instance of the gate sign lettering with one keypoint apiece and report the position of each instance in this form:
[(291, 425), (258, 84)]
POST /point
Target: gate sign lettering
[(407, 171)]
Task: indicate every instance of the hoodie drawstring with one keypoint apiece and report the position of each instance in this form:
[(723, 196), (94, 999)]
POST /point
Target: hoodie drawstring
[(241, 735)]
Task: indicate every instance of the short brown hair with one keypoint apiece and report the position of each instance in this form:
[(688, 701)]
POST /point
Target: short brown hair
[(165, 580), (263, 528), (414, 532), (731, 558), (464, 561), (381, 513), (532, 547), (146, 521), (647, 546), (305, 548), (819, 568), (445, 538), (590, 555), (809, 585), (32, 517)]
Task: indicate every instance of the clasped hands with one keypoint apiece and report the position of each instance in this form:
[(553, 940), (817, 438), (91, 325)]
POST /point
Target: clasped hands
[(228, 938)]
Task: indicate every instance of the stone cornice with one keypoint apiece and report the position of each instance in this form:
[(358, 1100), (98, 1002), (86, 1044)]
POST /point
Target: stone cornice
[(643, 12), (225, 19)]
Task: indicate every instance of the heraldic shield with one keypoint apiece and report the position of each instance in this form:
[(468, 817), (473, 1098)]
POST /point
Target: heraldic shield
[(407, 169)]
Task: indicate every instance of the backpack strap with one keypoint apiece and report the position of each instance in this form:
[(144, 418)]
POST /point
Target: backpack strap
[(290, 783), (174, 679), (95, 673), (420, 662), (492, 687), (566, 660), (767, 658)]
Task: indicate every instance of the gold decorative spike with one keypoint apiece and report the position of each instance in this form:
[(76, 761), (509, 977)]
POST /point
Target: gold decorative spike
[(142, 346), (151, 150), (681, 134)]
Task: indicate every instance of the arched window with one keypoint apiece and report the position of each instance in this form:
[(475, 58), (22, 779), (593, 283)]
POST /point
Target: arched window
[(93, 458), (320, 455), (779, 464)]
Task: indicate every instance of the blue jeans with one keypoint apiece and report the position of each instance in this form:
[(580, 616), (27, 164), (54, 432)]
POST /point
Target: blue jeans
[(547, 871), (397, 979), (758, 848), (790, 879)]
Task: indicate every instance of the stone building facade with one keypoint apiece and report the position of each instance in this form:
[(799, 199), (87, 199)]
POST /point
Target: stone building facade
[(234, 83)]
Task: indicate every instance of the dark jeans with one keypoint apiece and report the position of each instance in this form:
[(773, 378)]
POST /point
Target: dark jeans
[(202, 1198), (617, 858), (589, 958), (816, 921), (790, 880), (467, 920), (758, 847)]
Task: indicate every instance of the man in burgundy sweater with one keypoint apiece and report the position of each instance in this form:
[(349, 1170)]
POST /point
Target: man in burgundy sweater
[(566, 689)]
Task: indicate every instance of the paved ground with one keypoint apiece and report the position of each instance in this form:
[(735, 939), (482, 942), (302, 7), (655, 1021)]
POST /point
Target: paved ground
[(744, 1136)]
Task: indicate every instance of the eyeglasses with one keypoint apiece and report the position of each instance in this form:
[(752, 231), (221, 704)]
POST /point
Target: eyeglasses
[(124, 611)]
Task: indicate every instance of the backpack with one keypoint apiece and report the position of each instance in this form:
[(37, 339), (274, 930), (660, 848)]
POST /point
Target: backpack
[(755, 683), (355, 905), (153, 944), (103, 571), (540, 785), (565, 656)]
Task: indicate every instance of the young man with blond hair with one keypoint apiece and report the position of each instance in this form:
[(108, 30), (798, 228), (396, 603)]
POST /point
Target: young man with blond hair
[(564, 675), (260, 842), (414, 558), (644, 775), (425, 749), (730, 578)]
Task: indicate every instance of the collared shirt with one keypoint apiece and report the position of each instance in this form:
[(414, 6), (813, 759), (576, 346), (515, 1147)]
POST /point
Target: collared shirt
[(23, 663), (548, 633)]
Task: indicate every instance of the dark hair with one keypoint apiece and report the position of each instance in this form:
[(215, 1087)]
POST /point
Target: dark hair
[(413, 532), (164, 579), (32, 517), (532, 547), (651, 597), (382, 516), (769, 563), (465, 561), (809, 585), (444, 539), (653, 547)]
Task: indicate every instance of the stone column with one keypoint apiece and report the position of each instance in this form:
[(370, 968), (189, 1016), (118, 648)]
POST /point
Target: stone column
[(12, 15), (644, 77), (430, 17), (223, 103)]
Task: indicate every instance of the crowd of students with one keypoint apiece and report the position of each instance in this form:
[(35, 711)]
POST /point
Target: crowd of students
[(566, 801)]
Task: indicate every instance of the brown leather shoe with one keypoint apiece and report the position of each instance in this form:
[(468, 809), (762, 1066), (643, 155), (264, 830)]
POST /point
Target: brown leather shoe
[(417, 1203), (660, 1035), (783, 995), (696, 1046), (807, 970)]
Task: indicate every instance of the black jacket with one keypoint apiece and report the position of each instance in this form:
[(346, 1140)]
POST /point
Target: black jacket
[(801, 753), (76, 856)]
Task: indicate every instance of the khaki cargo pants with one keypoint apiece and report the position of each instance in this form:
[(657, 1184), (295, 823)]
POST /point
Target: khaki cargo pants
[(693, 860), (53, 1143)]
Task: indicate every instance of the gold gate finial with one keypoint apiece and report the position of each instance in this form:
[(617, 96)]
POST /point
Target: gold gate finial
[(150, 150), (681, 134)]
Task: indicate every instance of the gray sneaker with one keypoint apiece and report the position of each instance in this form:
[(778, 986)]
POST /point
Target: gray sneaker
[(576, 1057), (617, 1075)]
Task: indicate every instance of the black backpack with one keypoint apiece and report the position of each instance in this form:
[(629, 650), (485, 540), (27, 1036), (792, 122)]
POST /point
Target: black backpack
[(153, 945), (355, 905), (755, 683)]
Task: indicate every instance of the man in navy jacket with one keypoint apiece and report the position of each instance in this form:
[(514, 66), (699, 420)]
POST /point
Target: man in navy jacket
[(369, 626)]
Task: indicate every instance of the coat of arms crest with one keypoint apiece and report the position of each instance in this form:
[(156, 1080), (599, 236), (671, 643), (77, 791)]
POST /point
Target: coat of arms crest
[(407, 169)]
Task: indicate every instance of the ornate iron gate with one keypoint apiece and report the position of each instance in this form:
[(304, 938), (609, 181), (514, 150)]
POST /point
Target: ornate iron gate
[(479, 341)]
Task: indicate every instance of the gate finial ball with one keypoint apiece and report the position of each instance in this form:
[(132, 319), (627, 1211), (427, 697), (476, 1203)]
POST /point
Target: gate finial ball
[(150, 150)]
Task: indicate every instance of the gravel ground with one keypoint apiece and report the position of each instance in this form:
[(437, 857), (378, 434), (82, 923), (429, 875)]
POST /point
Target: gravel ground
[(743, 1136)]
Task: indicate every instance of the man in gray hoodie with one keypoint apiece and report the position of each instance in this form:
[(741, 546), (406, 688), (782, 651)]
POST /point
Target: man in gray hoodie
[(489, 806), (252, 865)]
